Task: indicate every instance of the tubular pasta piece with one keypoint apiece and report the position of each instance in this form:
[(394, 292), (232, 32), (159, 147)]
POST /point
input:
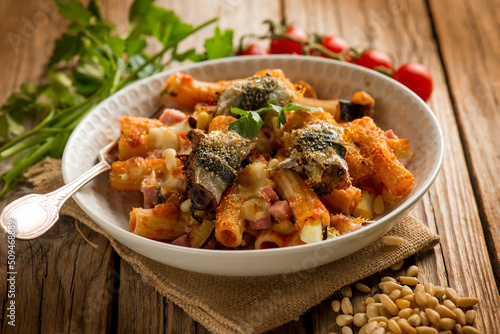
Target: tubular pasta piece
[(229, 225), (269, 239), (342, 200), (164, 222), (182, 89), (303, 200), (293, 240), (128, 175)]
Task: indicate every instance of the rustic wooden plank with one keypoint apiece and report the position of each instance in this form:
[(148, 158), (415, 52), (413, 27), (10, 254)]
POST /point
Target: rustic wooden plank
[(473, 79), (449, 208)]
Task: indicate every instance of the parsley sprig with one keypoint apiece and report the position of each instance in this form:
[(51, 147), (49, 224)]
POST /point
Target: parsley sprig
[(91, 61), (250, 121)]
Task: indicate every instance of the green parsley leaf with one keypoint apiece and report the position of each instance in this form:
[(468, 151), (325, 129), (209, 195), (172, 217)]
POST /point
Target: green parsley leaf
[(219, 46), (73, 11), (67, 46)]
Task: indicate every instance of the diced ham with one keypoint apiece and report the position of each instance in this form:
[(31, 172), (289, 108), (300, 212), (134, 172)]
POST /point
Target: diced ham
[(149, 191), (268, 193), (261, 224), (281, 210), (390, 134), (182, 241), (344, 224), (172, 116)]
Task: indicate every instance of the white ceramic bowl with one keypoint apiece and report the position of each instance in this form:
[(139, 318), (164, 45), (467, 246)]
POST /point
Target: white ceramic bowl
[(396, 108)]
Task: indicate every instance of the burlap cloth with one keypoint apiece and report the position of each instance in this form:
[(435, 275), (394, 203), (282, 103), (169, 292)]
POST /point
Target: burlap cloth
[(249, 304)]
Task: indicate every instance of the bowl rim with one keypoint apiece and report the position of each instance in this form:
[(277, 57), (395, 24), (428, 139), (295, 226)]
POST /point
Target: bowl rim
[(406, 205)]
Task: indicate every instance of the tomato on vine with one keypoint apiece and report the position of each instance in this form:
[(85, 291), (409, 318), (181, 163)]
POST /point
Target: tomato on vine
[(252, 50), (416, 77), (374, 59), (285, 46)]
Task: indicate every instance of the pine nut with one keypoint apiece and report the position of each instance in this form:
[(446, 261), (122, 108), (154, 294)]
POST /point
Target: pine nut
[(407, 280), (449, 304), (438, 291), (388, 287), (406, 290), (458, 329), (359, 308), (344, 320), (445, 312), (432, 302), (392, 240), (362, 287), (372, 311), (411, 299), (412, 271), (394, 327), (460, 316), (447, 323), (388, 279), (382, 324), (470, 316), (433, 316), (426, 330), (377, 297), (398, 265), (273, 163), (395, 294), (402, 303), (470, 330), (414, 320), (389, 304), (203, 120), (445, 332), (346, 306), (186, 205), (379, 330), (424, 319), (406, 327), (429, 288), (420, 298), (465, 302), (369, 300), (336, 306), (346, 330), (170, 159), (346, 291), (378, 319), (360, 319), (378, 205), (370, 327), (405, 313), (451, 294)]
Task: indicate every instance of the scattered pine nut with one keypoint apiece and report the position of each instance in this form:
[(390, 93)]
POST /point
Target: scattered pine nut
[(344, 320), (392, 240), (465, 302), (449, 304), (360, 319), (398, 265), (407, 280), (470, 330), (378, 205), (451, 294), (362, 287), (346, 306), (346, 330), (412, 271), (346, 291), (336, 306), (470, 316)]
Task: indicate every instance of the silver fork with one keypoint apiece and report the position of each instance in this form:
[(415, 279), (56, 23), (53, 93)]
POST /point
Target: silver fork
[(33, 215)]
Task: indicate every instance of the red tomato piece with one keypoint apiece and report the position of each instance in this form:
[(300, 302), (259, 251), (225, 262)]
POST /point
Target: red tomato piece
[(374, 58), (416, 77), (252, 50), (285, 46)]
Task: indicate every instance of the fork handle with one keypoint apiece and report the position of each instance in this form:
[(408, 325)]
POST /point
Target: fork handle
[(33, 215)]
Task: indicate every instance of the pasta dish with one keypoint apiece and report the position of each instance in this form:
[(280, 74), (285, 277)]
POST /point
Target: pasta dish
[(256, 163)]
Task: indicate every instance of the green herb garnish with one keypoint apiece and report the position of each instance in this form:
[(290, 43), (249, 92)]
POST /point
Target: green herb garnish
[(250, 122), (91, 61)]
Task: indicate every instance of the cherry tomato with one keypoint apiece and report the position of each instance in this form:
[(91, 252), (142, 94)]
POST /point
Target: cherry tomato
[(334, 43), (280, 45), (252, 50), (416, 77), (374, 58)]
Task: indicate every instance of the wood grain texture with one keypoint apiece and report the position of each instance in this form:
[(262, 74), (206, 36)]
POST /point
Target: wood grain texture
[(473, 78)]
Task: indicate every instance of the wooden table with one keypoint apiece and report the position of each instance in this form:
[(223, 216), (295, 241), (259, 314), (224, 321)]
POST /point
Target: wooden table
[(64, 284)]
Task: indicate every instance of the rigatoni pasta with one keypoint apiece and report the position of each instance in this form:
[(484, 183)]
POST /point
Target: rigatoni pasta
[(302, 176)]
